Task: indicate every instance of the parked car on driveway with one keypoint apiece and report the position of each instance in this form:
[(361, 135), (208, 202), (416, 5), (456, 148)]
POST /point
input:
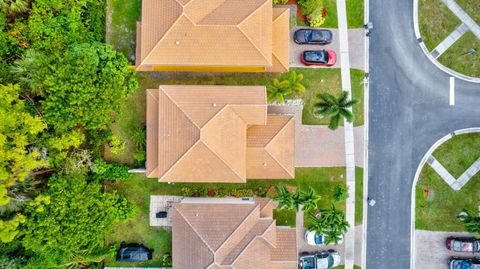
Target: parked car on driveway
[(133, 253), (319, 260), (464, 244), (464, 263), (314, 239), (313, 36), (319, 57)]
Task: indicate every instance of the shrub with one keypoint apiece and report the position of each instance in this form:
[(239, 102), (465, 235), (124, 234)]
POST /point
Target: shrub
[(340, 194), (317, 18), (309, 6), (110, 171), (187, 191), (280, 2)]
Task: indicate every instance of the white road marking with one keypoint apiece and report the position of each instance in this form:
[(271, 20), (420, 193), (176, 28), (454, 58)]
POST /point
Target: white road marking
[(452, 91)]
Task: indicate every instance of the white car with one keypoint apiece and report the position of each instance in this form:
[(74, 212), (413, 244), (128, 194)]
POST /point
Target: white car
[(314, 239), (319, 260)]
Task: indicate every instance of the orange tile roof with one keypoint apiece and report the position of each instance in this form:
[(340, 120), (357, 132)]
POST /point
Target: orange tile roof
[(228, 233), (208, 33), (281, 40), (216, 134)]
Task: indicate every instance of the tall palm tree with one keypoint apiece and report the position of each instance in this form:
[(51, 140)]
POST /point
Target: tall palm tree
[(335, 108), (284, 198), (309, 199), (331, 222), (278, 90), (14, 6), (295, 82)]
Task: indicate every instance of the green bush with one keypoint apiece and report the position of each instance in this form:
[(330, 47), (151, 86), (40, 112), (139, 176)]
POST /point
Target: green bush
[(110, 171), (340, 194), (280, 2), (310, 6)]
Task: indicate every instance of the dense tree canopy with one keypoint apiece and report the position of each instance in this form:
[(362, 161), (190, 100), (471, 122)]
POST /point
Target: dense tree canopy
[(76, 219), (17, 132)]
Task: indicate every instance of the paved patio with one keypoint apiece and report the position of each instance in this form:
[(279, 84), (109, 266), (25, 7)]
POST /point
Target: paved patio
[(355, 40), (318, 146), (431, 251), (160, 203)]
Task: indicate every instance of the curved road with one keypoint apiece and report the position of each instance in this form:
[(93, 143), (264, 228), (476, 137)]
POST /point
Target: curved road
[(409, 111)]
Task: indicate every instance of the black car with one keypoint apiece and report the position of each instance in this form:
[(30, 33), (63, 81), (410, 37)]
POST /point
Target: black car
[(133, 253), (464, 263), (313, 36)]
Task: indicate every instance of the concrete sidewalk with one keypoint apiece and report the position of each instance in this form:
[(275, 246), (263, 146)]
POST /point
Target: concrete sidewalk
[(449, 40), (458, 183)]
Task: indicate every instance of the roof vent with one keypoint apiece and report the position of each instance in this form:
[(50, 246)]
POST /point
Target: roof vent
[(177, 42), (265, 164), (214, 105)]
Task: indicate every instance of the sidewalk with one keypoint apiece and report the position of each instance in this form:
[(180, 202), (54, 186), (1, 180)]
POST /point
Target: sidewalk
[(449, 40), (349, 137), (463, 16), (454, 183)]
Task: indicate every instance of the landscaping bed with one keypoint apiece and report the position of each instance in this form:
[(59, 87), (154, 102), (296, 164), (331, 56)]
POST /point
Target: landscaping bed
[(138, 190), (437, 204)]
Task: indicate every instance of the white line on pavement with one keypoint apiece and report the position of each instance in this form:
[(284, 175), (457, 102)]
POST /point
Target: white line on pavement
[(452, 91)]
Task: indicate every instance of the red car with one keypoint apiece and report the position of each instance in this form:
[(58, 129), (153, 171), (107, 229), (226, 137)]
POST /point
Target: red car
[(463, 244), (319, 57)]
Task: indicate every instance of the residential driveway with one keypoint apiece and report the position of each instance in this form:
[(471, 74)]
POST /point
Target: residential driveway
[(431, 251), (356, 46), (318, 146), (302, 245)]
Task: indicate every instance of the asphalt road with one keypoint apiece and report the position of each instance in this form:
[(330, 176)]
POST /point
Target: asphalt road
[(409, 111)]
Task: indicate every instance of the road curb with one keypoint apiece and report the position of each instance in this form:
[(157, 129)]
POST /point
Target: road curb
[(366, 98), (445, 69), (415, 180)]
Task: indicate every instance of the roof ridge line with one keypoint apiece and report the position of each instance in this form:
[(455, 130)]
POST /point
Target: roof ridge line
[(178, 160), (198, 234), (176, 104), (236, 229), (149, 92), (156, 45), (248, 38), (273, 51), (286, 170), (251, 242)]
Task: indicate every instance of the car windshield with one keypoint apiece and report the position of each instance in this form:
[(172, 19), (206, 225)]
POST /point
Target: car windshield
[(316, 56), (330, 261), (308, 263), (318, 239), (318, 35)]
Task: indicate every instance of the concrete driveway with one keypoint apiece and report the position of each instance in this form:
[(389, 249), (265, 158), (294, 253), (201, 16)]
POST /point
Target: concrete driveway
[(431, 251), (356, 45), (318, 146)]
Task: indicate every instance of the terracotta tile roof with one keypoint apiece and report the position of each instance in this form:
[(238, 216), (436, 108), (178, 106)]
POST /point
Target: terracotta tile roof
[(206, 32), (281, 40), (228, 233), (216, 134), (271, 148)]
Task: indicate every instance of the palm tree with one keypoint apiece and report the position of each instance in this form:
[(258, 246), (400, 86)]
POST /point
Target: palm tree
[(309, 199), (331, 222), (294, 82), (13, 6), (278, 90), (284, 198), (335, 108), (333, 236)]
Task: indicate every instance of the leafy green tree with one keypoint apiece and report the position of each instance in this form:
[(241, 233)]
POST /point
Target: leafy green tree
[(13, 6), (17, 132), (471, 220), (77, 218), (335, 108), (331, 222), (284, 198), (83, 87), (9, 228), (309, 199), (277, 91)]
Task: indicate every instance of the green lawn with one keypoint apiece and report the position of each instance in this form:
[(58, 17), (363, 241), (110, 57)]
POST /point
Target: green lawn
[(331, 20), (285, 217), (138, 190), (472, 7), (439, 213), (457, 58), (459, 153), (355, 10), (436, 22), (343, 267), (358, 195), (122, 16)]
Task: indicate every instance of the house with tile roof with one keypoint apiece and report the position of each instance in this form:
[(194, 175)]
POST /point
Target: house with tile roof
[(216, 134), (230, 233), (212, 36)]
